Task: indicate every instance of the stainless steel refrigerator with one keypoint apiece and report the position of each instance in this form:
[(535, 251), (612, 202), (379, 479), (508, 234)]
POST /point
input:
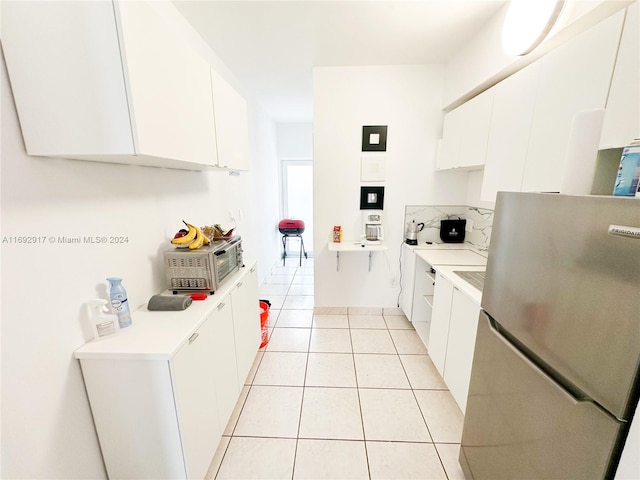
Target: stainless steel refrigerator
[(555, 377)]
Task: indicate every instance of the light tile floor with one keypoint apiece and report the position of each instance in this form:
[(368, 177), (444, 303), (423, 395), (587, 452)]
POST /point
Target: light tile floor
[(338, 397)]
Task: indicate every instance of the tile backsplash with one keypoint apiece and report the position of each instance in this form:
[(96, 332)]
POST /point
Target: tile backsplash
[(481, 221)]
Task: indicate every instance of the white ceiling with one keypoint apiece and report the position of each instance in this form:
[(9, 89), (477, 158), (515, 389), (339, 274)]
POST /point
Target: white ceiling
[(271, 46)]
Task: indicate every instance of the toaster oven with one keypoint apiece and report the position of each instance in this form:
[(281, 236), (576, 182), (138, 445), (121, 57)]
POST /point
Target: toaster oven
[(205, 268)]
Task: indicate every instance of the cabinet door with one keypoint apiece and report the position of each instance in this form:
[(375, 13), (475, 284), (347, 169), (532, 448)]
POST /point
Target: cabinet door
[(449, 145), (475, 130), (246, 321), (622, 116), (462, 339), (574, 77), (64, 63), (232, 126), (422, 299), (134, 411), (511, 117), (439, 332), (408, 264), (169, 87), (193, 371), (225, 363)]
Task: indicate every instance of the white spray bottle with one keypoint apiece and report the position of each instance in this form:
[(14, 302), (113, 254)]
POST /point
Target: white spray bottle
[(104, 324)]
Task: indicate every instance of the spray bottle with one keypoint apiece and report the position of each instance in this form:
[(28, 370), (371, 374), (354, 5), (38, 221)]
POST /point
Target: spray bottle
[(103, 323), (119, 303)]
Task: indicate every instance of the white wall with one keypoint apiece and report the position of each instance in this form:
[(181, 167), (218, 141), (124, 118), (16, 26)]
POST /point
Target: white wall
[(408, 100), (295, 141), (47, 430), (482, 61), (266, 197)]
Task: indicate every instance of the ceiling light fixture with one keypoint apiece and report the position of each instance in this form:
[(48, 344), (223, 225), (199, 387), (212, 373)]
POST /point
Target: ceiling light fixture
[(527, 23)]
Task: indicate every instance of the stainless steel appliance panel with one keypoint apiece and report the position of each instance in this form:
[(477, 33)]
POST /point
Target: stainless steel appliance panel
[(520, 424), (568, 290)]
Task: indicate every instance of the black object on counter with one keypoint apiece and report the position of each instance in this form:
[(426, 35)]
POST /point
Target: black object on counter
[(452, 230)]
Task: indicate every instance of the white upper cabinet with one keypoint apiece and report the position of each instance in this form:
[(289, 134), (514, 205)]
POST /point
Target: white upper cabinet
[(574, 77), (513, 105), (465, 134), (169, 88), (117, 82), (68, 86), (622, 115), (231, 125)]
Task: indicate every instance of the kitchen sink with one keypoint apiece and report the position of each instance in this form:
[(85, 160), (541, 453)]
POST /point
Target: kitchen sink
[(474, 278)]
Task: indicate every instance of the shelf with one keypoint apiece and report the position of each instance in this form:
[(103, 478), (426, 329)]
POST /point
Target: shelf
[(355, 247), (428, 299)]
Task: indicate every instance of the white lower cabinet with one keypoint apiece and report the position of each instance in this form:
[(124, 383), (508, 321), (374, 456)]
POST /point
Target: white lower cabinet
[(163, 390), (463, 326), (225, 363), (454, 324), (407, 281), (439, 334), (196, 391), (422, 298), (246, 316)]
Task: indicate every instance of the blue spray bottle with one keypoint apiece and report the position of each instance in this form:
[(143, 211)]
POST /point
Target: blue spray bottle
[(119, 303)]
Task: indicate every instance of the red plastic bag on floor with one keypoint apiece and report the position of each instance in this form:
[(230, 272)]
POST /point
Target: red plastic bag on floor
[(264, 322)]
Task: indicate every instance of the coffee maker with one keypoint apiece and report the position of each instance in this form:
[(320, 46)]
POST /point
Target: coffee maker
[(411, 233), (372, 232)]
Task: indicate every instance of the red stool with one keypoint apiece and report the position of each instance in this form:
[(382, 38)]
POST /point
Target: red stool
[(291, 228)]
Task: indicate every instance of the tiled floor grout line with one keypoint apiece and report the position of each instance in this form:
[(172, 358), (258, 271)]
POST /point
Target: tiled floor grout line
[(304, 381), (355, 373), (308, 352)]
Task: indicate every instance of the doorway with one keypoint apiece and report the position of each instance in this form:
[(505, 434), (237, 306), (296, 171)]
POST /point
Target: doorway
[(297, 200)]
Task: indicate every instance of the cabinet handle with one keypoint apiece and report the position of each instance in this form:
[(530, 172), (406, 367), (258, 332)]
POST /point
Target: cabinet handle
[(221, 306), (239, 284), (193, 337)]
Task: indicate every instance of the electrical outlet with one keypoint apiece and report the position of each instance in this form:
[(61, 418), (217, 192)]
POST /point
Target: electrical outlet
[(231, 215), (469, 226), (393, 282)]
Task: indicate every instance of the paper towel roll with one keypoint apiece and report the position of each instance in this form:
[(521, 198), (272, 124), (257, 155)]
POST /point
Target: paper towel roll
[(582, 152)]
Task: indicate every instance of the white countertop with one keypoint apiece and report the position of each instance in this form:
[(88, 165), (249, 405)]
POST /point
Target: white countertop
[(464, 286), (437, 256), (157, 335), (446, 246)]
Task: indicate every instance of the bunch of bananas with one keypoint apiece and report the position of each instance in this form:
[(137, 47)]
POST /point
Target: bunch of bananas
[(193, 237)]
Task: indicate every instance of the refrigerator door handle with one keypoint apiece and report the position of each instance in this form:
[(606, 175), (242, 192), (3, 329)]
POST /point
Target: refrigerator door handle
[(573, 399)]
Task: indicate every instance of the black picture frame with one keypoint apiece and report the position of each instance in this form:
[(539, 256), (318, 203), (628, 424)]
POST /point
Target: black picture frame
[(374, 138), (371, 198)]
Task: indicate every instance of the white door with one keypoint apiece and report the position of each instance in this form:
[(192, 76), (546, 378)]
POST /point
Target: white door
[(297, 200)]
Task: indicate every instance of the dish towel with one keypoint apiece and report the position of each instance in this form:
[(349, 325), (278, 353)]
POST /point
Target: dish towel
[(169, 303)]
